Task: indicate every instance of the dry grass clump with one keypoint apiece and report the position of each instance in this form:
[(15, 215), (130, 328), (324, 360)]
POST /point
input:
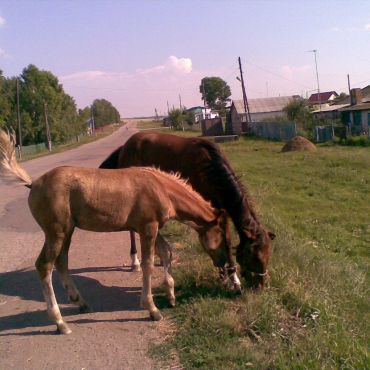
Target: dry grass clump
[(299, 144)]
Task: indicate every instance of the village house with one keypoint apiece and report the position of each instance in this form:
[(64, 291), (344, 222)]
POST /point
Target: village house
[(324, 99), (201, 113), (357, 115), (259, 110)]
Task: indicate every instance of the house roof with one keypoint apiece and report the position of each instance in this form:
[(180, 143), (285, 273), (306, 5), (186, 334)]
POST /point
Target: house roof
[(331, 108), (361, 106), (324, 96), (265, 105)]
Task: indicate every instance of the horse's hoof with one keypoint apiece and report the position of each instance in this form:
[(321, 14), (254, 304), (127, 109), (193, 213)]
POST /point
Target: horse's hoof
[(84, 308), (156, 316), (135, 268), (172, 302), (63, 329)]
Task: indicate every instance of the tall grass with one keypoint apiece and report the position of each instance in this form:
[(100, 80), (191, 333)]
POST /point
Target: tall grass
[(315, 312)]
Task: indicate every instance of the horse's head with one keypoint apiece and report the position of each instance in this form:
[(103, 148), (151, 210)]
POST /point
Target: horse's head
[(253, 254), (213, 238)]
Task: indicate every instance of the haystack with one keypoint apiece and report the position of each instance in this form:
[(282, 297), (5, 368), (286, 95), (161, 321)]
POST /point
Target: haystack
[(299, 144)]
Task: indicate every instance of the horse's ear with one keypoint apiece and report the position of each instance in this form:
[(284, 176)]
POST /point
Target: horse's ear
[(221, 215), (271, 235)]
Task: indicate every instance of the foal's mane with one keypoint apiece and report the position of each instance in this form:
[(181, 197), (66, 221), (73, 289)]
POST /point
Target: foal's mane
[(219, 173), (176, 177)]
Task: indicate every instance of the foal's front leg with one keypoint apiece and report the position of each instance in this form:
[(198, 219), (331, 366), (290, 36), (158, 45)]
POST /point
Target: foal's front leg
[(147, 238)]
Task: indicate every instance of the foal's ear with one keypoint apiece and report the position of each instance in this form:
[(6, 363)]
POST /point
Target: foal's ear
[(271, 235)]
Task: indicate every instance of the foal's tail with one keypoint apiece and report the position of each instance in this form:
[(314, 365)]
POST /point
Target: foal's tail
[(10, 170), (112, 160)]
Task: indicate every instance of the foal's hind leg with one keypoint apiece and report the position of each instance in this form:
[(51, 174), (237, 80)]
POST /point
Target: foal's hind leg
[(135, 263), (61, 264), (44, 265), (163, 250)]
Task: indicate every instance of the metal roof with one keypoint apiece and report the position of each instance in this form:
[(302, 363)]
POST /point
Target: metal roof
[(265, 105), (331, 108), (362, 106)]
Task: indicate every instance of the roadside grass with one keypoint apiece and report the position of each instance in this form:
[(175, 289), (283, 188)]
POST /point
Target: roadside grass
[(58, 148), (315, 312)]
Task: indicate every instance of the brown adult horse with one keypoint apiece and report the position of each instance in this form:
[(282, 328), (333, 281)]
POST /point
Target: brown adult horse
[(139, 199), (209, 173)]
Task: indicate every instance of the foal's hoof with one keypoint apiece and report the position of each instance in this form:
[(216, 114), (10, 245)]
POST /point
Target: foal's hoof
[(156, 316), (135, 268), (63, 329), (84, 308)]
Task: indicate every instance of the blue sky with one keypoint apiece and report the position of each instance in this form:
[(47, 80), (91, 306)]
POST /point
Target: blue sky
[(141, 54)]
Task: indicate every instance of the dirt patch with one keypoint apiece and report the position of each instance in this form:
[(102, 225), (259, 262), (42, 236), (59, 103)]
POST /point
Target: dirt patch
[(299, 144)]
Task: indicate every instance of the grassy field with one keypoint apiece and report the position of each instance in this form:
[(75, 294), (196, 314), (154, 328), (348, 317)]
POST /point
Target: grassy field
[(315, 312)]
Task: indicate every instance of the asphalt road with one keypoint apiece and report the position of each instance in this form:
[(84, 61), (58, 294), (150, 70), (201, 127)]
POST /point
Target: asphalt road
[(116, 335)]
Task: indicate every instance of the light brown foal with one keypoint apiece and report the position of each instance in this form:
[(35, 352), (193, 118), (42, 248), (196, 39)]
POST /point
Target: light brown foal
[(139, 199)]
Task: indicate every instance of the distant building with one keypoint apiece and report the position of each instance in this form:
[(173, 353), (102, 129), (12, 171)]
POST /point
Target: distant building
[(201, 113), (259, 109), (325, 98), (357, 115)]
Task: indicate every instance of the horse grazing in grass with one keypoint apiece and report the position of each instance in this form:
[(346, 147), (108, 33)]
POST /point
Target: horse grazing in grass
[(139, 199), (211, 175)]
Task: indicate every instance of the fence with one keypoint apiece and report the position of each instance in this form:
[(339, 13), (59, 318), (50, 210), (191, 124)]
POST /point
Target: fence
[(326, 133), (212, 127), (274, 130)]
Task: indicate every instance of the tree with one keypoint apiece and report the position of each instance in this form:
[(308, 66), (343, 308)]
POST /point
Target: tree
[(299, 111), (216, 92), (40, 93), (104, 113), (177, 118)]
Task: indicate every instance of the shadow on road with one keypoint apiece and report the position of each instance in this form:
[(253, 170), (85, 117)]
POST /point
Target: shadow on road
[(26, 285)]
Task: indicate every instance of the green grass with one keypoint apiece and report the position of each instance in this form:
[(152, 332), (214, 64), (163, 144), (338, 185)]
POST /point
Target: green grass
[(315, 312), (58, 148)]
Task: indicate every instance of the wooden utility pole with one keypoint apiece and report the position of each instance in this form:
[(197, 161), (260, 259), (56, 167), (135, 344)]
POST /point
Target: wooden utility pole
[(48, 137), (156, 114), (19, 122), (204, 100), (168, 108), (349, 85), (180, 101), (245, 99), (92, 119)]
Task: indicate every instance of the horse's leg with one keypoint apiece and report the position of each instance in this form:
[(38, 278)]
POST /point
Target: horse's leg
[(163, 250), (44, 265), (61, 263), (135, 263), (148, 236), (229, 274)]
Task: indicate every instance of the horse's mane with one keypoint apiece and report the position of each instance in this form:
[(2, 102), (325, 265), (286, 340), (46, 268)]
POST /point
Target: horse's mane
[(179, 180), (234, 194)]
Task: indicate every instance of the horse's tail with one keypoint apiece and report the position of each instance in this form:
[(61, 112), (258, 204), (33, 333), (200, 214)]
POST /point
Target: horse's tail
[(112, 160), (10, 170)]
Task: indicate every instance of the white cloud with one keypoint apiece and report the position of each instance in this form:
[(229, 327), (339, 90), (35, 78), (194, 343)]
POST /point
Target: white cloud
[(2, 21), (139, 92), (291, 70), (183, 65)]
